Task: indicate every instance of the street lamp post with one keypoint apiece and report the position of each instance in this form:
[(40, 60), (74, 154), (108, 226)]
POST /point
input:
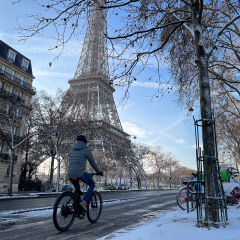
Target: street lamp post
[(120, 174), (58, 158)]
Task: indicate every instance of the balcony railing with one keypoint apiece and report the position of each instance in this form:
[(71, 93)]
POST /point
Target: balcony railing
[(24, 68), (18, 81), (11, 96), (2, 111), (11, 60), (7, 157), (6, 112)]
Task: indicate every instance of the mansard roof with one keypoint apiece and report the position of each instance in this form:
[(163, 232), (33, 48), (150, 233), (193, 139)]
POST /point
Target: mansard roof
[(4, 49)]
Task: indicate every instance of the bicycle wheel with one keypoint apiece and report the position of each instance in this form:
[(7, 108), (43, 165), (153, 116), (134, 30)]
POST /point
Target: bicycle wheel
[(63, 216), (182, 199), (94, 207)]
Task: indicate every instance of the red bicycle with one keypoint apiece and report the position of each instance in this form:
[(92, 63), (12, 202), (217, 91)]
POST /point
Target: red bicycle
[(234, 197), (187, 195)]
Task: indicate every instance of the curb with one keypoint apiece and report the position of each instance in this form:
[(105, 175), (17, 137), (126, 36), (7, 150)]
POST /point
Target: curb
[(49, 195), (15, 197)]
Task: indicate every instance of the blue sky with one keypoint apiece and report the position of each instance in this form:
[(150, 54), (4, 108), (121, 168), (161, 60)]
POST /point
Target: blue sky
[(154, 123)]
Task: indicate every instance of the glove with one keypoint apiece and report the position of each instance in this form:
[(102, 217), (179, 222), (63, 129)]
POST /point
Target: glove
[(100, 173)]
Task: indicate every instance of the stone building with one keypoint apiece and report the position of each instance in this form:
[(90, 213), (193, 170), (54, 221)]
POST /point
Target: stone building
[(16, 92)]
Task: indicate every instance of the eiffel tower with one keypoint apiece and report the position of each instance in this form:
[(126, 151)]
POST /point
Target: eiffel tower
[(91, 85)]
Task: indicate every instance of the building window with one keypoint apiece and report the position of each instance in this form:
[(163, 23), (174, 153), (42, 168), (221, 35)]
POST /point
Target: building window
[(25, 63), (13, 75), (1, 88), (3, 69), (11, 55), (19, 113), (26, 99), (15, 131), (1, 85), (7, 171), (12, 90), (21, 95), (1, 148), (22, 80), (8, 109)]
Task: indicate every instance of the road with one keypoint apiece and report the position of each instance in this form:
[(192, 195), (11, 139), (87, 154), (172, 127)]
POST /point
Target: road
[(133, 207)]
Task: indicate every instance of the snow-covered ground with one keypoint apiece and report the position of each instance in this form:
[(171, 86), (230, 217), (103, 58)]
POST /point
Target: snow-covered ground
[(179, 225), (170, 225)]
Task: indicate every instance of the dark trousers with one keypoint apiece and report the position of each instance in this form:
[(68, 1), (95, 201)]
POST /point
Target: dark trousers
[(86, 178)]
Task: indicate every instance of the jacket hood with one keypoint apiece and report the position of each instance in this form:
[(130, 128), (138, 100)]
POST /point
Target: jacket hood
[(79, 145)]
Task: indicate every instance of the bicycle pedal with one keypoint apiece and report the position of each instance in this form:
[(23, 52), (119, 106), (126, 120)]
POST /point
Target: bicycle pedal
[(83, 209)]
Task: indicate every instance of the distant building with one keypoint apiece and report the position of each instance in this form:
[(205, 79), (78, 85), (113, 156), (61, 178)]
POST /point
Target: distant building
[(16, 92)]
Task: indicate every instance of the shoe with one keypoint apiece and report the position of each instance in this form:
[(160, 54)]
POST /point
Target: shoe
[(83, 205)]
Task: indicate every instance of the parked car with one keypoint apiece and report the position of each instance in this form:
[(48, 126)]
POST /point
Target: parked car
[(66, 187), (112, 187), (123, 187), (53, 188)]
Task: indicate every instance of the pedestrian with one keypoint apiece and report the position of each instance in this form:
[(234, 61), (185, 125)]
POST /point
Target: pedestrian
[(38, 186)]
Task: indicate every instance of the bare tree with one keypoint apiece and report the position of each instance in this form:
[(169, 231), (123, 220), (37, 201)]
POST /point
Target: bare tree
[(171, 168), (160, 158), (52, 116), (226, 109), (165, 166), (135, 156)]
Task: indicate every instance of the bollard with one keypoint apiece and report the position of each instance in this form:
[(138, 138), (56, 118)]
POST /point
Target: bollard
[(22, 191)]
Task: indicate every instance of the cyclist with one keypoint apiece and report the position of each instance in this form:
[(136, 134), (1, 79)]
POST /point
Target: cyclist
[(78, 155)]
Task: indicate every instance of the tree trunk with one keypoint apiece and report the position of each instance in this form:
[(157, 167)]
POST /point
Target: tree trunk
[(24, 166), (130, 176), (138, 179), (106, 174), (11, 173), (158, 180), (30, 170), (210, 176), (144, 180), (23, 172), (51, 172)]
